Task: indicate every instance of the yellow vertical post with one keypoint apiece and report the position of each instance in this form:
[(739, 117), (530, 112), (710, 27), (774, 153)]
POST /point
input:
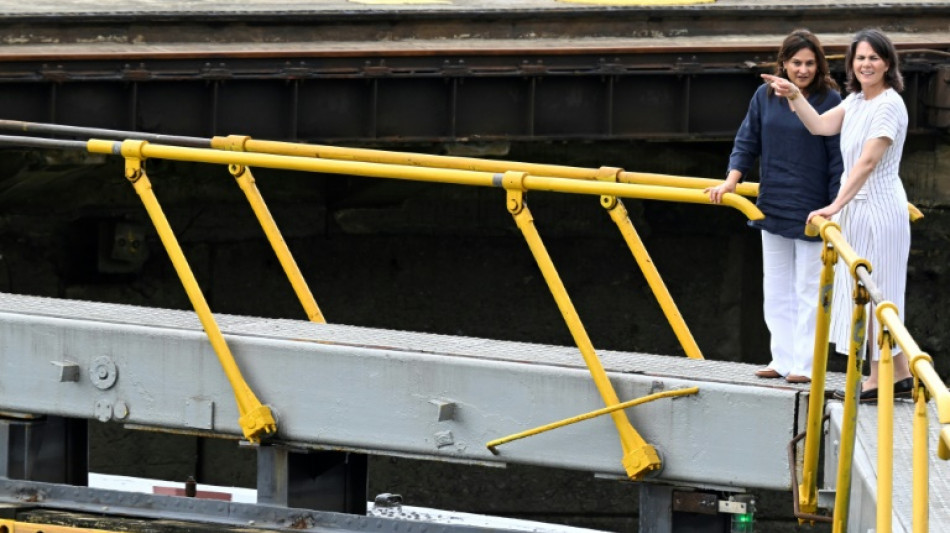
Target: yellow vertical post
[(808, 489), (920, 522), (885, 430), (850, 423), (618, 213), (639, 458), (245, 181), (255, 419)]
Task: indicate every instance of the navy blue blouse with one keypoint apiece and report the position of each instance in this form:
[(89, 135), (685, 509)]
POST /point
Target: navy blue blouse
[(799, 172)]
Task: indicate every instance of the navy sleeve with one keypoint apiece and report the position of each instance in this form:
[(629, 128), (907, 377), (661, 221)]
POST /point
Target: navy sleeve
[(748, 144)]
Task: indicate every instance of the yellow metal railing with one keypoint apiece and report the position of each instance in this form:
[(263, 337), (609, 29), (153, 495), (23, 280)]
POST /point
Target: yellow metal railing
[(256, 419), (639, 458), (927, 384), (239, 153), (613, 205)]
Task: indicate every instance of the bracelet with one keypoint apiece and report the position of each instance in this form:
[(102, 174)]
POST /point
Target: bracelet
[(792, 96)]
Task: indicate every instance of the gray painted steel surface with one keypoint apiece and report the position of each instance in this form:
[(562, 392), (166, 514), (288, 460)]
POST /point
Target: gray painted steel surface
[(389, 392)]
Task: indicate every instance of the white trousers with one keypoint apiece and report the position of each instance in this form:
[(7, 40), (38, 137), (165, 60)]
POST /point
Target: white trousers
[(791, 270)]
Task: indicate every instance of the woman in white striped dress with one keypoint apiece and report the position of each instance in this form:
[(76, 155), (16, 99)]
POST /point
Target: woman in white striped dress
[(871, 206)]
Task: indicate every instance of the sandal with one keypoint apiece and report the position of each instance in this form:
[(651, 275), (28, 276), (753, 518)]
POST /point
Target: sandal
[(902, 389)]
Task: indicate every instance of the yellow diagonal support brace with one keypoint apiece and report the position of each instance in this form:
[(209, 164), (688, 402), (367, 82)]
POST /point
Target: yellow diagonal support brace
[(618, 213), (587, 416), (255, 419), (639, 458), (245, 181)]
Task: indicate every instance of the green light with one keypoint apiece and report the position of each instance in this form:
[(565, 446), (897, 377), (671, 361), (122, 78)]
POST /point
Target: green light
[(743, 523)]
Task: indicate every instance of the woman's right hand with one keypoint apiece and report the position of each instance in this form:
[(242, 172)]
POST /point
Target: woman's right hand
[(781, 86), (715, 193)]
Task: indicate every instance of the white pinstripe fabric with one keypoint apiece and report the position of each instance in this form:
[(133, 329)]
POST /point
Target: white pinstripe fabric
[(875, 222)]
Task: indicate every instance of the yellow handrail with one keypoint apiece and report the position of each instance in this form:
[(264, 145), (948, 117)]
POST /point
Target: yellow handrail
[(927, 384), (145, 150), (244, 143)]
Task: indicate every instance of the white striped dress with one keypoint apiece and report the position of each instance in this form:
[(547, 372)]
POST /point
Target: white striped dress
[(875, 222)]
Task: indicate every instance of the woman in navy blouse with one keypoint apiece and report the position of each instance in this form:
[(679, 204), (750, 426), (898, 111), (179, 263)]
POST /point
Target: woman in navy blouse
[(798, 173)]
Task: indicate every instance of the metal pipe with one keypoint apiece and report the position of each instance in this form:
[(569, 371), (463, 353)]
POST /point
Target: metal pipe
[(435, 175), (88, 133), (639, 458), (245, 180), (885, 434), (587, 416), (920, 523), (801, 515), (808, 493), (256, 419), (618, 213), (850, 418), (40, 142), (464, 163)]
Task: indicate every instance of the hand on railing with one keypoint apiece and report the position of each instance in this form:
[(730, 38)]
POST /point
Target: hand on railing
[(716, 193)]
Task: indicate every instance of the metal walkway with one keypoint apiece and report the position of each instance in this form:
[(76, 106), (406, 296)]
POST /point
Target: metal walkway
[(393, 392), (428, 396), (864, 485)]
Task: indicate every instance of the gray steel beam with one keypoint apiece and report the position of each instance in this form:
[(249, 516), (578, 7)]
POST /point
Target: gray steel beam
[(390, 392)]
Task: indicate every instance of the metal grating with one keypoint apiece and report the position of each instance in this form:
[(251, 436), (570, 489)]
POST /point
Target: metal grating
[(406, 341)]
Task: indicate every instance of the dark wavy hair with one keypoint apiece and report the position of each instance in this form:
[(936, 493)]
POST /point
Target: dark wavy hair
[(883, 47), (792, 44)]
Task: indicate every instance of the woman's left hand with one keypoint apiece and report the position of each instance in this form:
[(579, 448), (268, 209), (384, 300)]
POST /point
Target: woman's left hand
[(826, 212)]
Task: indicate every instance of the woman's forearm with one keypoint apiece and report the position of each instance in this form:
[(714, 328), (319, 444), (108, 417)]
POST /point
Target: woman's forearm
[(828, 123), (807, 114)]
